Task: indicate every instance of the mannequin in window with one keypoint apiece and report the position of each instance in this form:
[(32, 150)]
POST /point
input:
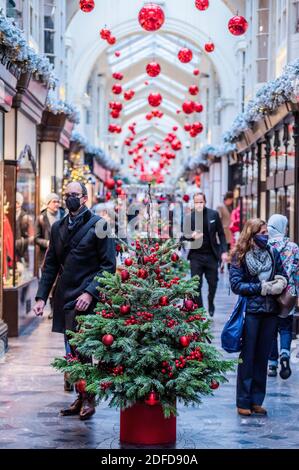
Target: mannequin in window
[(22, 235)]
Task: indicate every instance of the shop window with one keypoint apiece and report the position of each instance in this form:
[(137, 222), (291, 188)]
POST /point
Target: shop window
[(18, 220), (262, 40), (14, 9), (49, 29)]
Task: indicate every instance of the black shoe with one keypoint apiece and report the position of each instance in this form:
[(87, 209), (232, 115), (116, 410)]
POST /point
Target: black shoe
[(272, 371), (211, 312), (285, 370), (74, 408)]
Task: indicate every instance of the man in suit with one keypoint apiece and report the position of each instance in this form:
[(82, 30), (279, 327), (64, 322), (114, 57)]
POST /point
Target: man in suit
[(209, 247), (75, 257)]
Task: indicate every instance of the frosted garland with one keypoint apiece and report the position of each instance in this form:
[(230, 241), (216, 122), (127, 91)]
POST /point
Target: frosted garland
[(206, 151), (99, 154), (268, 98), (59, 106), (16, 49)]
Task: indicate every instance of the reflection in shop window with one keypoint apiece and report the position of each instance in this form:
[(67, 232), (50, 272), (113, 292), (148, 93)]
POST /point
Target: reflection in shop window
[(290, 210)]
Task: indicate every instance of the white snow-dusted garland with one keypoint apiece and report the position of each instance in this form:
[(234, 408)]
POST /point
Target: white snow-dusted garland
[(206, 151), (59, 106), (270, 96), (17, 51), (103, 160)]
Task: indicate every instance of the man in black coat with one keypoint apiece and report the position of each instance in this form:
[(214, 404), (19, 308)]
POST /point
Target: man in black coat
[(76, 255), (208, 246)]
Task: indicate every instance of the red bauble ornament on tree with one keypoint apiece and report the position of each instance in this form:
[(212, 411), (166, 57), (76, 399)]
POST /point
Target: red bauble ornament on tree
[(151, 17), (155, 99), (125, 309), (81, 386), (186, 198), (175, 257), (202, 4), (117, 89), (164, 301), (108, 340), (128, 262), (153, 69), (125, 275), (185, 55), (188, 107), (86, 5), (184, 341), (209, 47), (142, 273), (214, 385), (189, 305), (110, 183), (238, 25), (152, 399), (193, 90)]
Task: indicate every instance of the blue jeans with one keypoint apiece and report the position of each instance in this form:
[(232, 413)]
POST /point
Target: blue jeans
[(284, 328), (67, 345)]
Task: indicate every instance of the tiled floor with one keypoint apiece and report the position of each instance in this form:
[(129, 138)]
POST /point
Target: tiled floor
[(31, 395)]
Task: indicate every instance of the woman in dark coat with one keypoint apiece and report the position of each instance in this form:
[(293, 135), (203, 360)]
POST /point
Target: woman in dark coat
[(256, 273)]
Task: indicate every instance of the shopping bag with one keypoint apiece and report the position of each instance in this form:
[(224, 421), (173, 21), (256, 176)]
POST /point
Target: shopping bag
[(231, 336)]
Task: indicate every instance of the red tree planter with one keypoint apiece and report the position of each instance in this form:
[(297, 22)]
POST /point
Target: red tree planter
[(144, 424)]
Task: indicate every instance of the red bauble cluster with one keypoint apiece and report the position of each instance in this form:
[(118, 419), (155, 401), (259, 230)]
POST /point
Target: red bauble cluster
[(180, 363), (128, 95), (106, 35), (106, 314), (193, 318), (185, 55), (117, 76), (209, 47), (238, 25), (118, 370), (155, 99), (193, 90), (195, 355), (87, 5), (131, 321), (142, 273), (154, 113), (153, 69), (105, 386), (167, 369), (146, 316), (117, 89), (114, 129), (151, 17), (196, 129), (202, 4), (116, 108), (152, 399), (108, 340)]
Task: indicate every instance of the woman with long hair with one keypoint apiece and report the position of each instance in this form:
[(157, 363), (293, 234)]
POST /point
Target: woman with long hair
[(256, 273)]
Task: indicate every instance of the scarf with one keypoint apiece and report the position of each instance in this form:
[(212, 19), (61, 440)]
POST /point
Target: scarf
[(259, 263), (75, 222), (53, 217)]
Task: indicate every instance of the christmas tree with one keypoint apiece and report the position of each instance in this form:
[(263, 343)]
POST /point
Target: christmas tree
[(148, 339)]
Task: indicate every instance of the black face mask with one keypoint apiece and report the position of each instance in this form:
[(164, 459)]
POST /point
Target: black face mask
[(73, 203)]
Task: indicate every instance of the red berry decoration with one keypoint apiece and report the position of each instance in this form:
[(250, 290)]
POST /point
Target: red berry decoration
[(193, 90), (117, 89), (175, 257), (202, 4), (86, 5), (151, 17), (209, 47), (125, 275), (128, 262), (155, 99), (164, 301), (152, 399), (189, 305), (153, 69), (108, 340), (185, 55), (186, 198), (238, 25), (185, 341), (214, 385), (188, 107), (125, 309), (81, 386)]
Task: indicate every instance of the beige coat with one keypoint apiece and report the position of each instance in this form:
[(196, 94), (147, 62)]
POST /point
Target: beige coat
[(225, 216)]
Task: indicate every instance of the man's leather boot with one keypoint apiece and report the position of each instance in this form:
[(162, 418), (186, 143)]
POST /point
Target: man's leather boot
[(74, 408), (88, 407)]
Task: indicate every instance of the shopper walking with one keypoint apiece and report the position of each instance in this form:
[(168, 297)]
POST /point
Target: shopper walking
[(210, 247), (76, 255), (256, 273), (225, 211), (289, 253)]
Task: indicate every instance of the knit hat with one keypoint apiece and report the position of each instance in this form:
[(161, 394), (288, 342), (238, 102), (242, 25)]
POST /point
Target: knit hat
[(277, 226), (50, 198)]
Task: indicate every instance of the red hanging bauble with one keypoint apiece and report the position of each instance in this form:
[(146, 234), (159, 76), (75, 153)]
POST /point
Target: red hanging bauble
[(193, 133), (198, 107), (119, 182), (118, 129), (164, 301), (238, 25), (149, 116), (151, 17), (111, 40), (108, 340), (125, 275), (152, 399), (214, 385), (155, 99), (175, 128), (209, 47), (118, 76), (87, 5), (187, 127), (117, 89), (108, 195), (125, 309), (198, 127), (193, 90), (153, 69), (81, 386), (117, 53), (110, 183), (117, 105), (105, 33), (202, 4), (188, 107), (196, 72), (128, 95), (115, 114), (185, 55), (186, 198), (185, 341)]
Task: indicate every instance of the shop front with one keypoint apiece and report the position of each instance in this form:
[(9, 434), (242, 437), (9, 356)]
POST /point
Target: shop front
[(21, 189)]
